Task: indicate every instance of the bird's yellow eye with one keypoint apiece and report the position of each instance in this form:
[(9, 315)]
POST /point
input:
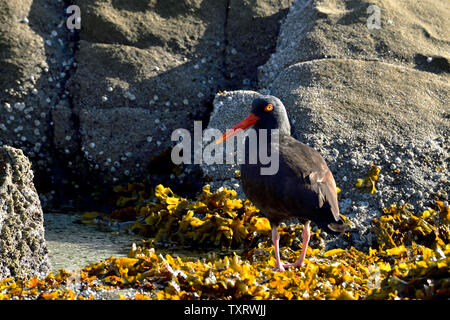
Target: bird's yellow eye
[(268, 108)]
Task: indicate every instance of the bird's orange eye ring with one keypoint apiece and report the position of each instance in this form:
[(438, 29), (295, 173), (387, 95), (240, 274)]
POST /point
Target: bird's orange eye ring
[(268, 108)]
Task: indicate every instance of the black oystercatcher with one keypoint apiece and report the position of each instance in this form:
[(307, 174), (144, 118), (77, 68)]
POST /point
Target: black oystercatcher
[(303, 187)]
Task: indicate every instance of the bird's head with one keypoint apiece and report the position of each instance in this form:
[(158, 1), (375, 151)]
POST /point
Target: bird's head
[(267, 113)]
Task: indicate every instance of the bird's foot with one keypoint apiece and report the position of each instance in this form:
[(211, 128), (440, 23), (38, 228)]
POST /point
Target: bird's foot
[(279, 268), (296, 264)]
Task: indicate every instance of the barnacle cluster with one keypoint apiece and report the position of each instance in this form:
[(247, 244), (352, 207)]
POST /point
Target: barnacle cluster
[(411, 260)]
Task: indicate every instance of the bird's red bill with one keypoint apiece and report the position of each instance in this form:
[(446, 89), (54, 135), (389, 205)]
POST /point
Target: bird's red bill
[(244, 124)]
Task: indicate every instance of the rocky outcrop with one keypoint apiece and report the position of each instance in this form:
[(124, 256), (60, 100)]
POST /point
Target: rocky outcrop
[(406, 33), (109, 152), (22, 61), (362, 97), (159, 62), (94, 106), (23, 252), (251, 35), (35, 62)]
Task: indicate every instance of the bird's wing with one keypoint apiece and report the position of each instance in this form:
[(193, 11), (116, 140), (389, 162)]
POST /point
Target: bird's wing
[(309, 168), (323, 183)]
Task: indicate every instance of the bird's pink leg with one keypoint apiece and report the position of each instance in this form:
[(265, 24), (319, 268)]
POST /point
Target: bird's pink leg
[(276, 243), (305, 241)]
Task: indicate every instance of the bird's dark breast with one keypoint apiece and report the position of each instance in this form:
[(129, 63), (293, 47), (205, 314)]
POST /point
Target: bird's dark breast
[(301, 188), (267, 197)]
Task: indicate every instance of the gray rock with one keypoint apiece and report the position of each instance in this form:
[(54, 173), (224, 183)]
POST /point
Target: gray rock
[(32, 80), (172, 69), (322, 71), (23, 251), (115, 139), (317, 29), (64, 131), (363, 100), (251, 32), (159, 58), (167, 57), (23, 54)]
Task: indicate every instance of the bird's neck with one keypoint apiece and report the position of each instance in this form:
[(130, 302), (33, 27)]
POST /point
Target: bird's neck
[(282, 129)]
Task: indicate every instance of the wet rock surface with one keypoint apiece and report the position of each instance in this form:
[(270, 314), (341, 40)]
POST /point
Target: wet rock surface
[(23, 251)]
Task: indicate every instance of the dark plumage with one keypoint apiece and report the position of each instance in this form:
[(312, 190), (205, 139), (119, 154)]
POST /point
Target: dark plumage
[(303, 187)]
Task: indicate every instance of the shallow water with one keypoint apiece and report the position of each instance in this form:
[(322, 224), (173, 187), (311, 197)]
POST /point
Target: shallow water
[(74, 245)]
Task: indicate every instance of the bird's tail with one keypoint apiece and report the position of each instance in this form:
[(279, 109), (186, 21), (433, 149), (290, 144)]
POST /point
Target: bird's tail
[(334, 227), (338, 227)]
